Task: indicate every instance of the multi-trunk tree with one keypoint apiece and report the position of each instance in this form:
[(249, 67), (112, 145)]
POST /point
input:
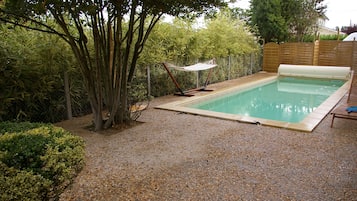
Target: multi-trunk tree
[(117, 32)]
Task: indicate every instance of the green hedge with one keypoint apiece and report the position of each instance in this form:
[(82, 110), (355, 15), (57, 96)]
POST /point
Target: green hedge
[(37, 161)]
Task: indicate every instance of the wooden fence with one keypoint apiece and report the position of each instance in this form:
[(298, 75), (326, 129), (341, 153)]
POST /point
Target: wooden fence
[(319, 53)]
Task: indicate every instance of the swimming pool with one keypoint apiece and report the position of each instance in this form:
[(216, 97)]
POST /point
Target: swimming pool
[(262, 101), (287, 99)]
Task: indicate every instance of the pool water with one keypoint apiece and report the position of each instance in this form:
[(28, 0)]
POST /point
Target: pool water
[(287, 99)]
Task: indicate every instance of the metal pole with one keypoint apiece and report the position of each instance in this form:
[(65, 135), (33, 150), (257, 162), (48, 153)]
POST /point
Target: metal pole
[(229, 67), (148, 81), (197, 79), (67, 95), (251, 63)]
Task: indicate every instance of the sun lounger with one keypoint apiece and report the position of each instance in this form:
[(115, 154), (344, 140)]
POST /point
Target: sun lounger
[(342, 111), (347, 109)]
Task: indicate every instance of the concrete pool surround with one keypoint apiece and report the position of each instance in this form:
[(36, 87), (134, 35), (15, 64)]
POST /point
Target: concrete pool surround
[(262, 78)]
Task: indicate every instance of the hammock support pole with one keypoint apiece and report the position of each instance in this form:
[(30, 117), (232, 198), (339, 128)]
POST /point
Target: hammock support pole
[(173, 79), (208, 77)]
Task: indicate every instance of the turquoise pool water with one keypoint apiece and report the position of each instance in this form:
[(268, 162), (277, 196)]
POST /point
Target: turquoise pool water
[(287, 99)]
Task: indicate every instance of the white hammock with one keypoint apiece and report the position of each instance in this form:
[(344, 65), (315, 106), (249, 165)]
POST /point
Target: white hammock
[(195, 67)]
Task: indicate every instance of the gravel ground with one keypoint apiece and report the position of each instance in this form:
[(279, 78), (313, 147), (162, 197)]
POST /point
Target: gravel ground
[(175, 156)]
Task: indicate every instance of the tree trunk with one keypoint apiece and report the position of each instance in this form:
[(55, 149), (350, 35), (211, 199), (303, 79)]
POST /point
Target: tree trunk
[(96, 104), (98, 120)]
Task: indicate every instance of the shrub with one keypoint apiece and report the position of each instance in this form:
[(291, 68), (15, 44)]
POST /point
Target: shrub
[(32, 74), (41, 160), (12, 127), (22, 185)]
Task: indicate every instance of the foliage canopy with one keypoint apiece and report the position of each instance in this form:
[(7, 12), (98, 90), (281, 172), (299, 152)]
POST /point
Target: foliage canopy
[(286, 20), (118, 31), (33, 65)]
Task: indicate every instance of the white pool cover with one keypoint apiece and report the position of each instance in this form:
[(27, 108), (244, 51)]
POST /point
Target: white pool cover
[(332, 72)]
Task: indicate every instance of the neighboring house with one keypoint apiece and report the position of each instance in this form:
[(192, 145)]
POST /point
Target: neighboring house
[(322, 30)]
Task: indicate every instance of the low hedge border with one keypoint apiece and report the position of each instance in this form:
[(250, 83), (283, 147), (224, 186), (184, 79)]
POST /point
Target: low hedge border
[(37, 161)]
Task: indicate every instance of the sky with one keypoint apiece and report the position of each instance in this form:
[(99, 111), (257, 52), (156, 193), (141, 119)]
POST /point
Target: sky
[(340, 12)]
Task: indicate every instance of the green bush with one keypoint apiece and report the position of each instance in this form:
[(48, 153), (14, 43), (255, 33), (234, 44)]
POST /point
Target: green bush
[(12, 127), (32, 73), (22, 185), (42, 160)]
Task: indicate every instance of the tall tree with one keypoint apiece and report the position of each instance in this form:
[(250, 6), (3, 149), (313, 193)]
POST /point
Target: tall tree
[(286, 20), (118, 31), (302, 17), (267, 16)]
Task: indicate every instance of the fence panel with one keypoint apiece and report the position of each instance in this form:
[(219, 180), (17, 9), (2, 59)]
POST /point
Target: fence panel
[(304, 53), (297, 53), (322, 53), (338, 53), (288, 53), (344, 52), (271, 59), (327, 53)]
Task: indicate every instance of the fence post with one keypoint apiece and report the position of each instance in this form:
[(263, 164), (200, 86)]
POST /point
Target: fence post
[(251, 63), (67, 95), (315, 57), (229, 67), (244, 64), (148, 81)]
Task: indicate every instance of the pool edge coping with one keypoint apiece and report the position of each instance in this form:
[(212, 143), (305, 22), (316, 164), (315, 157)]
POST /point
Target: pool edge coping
[(308, 124)]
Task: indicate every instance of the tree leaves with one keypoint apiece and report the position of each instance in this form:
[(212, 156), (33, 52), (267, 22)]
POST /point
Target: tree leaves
[(287, 20), (221, 36)]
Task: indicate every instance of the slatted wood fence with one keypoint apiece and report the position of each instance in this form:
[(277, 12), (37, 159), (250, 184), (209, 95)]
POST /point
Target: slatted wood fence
[(319, 53)]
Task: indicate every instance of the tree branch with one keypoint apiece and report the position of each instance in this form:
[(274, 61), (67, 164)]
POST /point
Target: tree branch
[(7, 16)]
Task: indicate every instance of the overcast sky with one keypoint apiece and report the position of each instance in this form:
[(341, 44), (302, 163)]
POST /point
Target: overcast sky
[(340, 12)]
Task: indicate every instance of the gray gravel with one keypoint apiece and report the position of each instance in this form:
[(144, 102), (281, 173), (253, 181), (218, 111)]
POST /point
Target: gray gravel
[(173, 156)]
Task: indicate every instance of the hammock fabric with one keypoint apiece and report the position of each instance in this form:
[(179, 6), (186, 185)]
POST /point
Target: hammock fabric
[(196, 67)]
